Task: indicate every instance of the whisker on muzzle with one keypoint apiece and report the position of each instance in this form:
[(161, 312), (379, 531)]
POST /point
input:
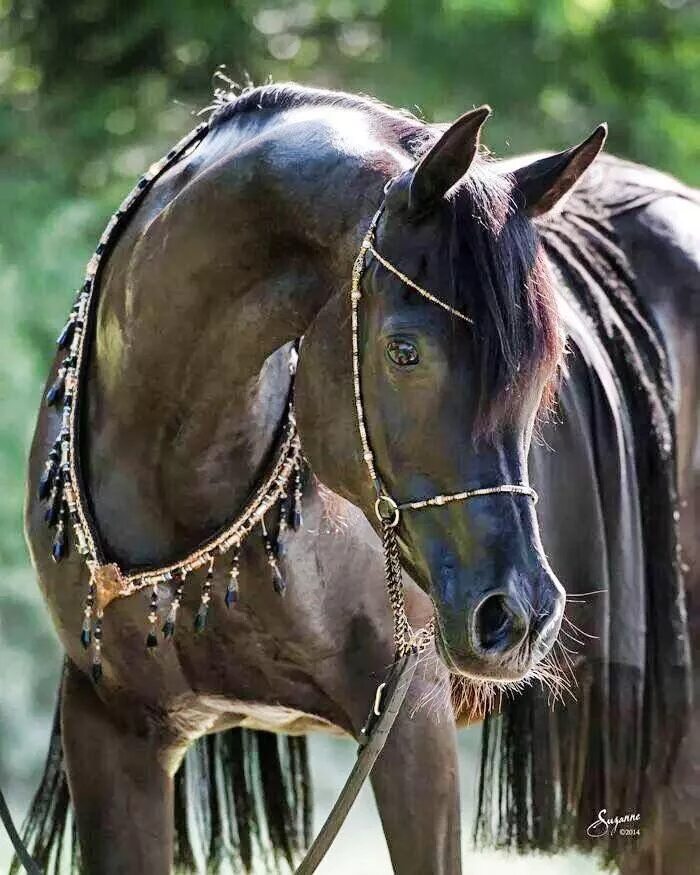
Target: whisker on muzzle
[(472, 698)]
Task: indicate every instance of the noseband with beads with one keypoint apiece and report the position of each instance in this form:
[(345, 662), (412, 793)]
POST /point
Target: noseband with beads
[(63, 489)]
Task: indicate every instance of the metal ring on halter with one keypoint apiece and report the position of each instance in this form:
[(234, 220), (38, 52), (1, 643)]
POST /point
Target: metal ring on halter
[(392, 517)]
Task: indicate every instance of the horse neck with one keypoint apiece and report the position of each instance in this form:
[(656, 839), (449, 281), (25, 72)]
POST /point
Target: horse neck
[(189, 381)]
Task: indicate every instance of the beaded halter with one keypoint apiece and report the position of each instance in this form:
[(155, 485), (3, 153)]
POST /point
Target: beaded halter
[(387, 510), (62, 488)]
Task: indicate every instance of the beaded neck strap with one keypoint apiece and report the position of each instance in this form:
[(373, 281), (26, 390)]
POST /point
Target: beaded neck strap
[(63, 489)]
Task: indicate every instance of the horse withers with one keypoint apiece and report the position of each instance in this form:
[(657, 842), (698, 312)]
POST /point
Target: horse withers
[(237, 248)]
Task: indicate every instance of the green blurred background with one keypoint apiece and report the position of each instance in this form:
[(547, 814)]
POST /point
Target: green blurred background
[(91, 91)]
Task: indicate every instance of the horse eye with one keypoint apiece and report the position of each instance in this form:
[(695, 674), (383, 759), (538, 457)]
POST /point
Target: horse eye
[(402, 352)]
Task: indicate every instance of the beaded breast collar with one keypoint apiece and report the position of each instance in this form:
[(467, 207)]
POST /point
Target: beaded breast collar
[(62, 488), (61, 485)]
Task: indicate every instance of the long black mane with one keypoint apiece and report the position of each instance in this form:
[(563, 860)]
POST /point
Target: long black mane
[(546, 775)]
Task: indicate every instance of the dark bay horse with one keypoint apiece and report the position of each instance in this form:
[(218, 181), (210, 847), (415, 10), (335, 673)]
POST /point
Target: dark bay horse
[(241, 248)]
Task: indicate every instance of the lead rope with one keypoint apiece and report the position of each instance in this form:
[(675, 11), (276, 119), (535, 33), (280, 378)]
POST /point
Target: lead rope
[(21, 849)]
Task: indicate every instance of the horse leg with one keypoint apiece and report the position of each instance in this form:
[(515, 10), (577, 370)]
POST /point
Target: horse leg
[(416, 785), (121, 791)]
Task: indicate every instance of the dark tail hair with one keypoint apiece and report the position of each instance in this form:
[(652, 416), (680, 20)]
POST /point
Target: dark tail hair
[(545, 775), (48, 831), (239, 795)]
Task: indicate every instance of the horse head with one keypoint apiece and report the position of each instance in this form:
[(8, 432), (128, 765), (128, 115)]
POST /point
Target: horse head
[(450, 404)]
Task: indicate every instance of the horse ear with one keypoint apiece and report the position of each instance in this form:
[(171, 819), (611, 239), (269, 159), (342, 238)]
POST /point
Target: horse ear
[(538, 186), (447, 160)]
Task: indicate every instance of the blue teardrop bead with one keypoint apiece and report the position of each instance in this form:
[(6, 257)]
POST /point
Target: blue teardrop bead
[(59, 549), (46, 483), (65, 337)]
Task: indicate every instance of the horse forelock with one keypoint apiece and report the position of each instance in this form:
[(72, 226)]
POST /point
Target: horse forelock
[(500, 276)]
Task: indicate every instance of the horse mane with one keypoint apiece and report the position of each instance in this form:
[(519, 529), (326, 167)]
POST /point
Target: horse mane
[(229, 103), (545, 775)]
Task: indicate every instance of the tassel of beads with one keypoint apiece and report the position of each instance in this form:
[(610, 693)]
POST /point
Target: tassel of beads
[(200, 620), (50, 470), (171, 619), (278, 581), (58, 513), (66, 335), (97, 648), (54, 500), (283, 525), (86, 631), (55, 392), (231, 596), (297, 519), (55, 482), (152, 638), (59, 548), (65, 338)]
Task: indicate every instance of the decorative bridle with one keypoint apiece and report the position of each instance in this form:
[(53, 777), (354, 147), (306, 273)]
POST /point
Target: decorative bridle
[(387, 509)]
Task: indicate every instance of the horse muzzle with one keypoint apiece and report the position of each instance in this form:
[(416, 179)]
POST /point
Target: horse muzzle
[(502, 632)]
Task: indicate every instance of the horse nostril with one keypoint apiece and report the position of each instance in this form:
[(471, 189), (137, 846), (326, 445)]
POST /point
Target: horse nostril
[(497, 627)]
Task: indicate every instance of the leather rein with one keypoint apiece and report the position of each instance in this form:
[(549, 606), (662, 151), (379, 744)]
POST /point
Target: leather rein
[(107, 580)]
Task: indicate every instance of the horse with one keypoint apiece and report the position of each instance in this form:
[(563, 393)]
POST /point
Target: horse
[(508, 325)]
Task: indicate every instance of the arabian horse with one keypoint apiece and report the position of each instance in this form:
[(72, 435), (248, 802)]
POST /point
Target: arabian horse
[(524, 322)]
